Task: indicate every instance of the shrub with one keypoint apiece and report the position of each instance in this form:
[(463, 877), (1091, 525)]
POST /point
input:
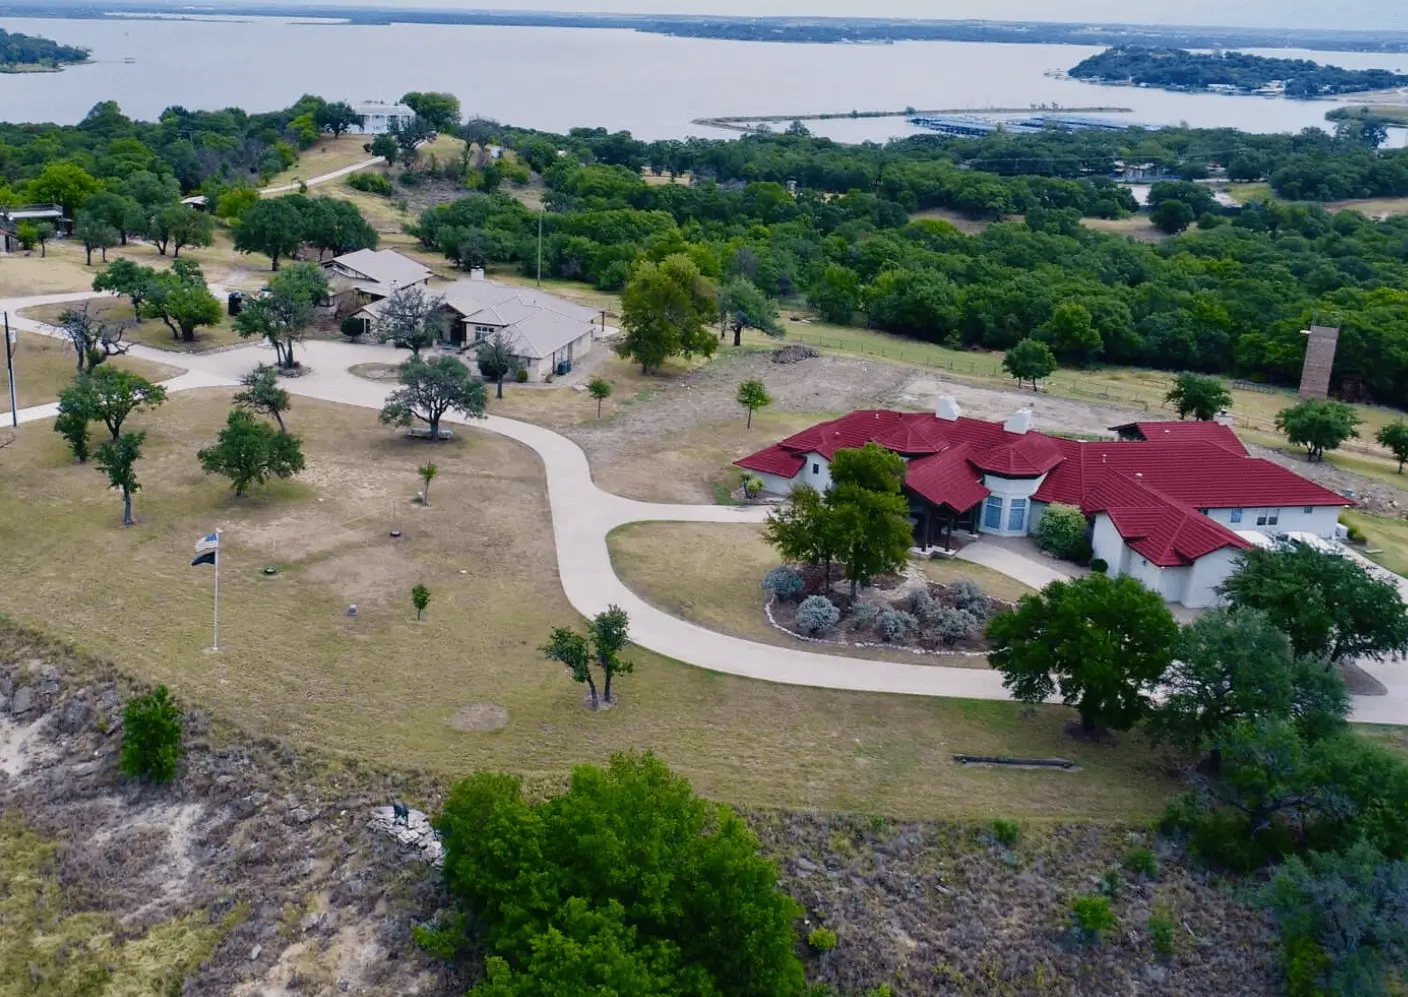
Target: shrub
[(863, 615), (371, 183), (752, 485), (822, 939), (815, 614), (1161, 935), (1100, 566), (1061, 531), (1006, 831), (1142, 861), (1355, 534), (921, 604), (894, 624), (352, 327), (151, 737), (522, 376), (784, 582), (1110, 882), (1092, 916), (968, 595), (955, 625)]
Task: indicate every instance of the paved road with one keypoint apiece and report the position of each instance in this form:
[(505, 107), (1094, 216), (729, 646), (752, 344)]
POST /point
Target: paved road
[(583, 515)]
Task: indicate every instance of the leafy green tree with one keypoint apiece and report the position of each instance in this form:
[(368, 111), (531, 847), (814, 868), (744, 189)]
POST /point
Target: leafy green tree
[(118, 460), (1394, 437), (496, 361), (1102, 643), (336, 117), (439, 111), (1172, 216), (664, 311), (753, 395), (114, 394), (1318, 426), (1331, 608), (1199, 396), (63, 183), (408, 140), (151, 737), (249, 452), (1234, 665), (43, 232), (180, 299), (131, 280), (627, 878), (233, 202), (869, 517), (600, 389), (118, 211), (336, 226), (285, 311), (28, 235), (95, 233), (176, 226), (1030, 360), (743, 306), (1071, 333), (431, 389), (274, 226), (836, 294), (263, 395), (804, 531), (75, 413), (384, 146), (610, 634), (569, 648), (411, 317), (427, 472), (420, 598)]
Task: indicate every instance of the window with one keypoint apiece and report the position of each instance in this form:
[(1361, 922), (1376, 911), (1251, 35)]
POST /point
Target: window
[(816, 469), (1017, 516), (1308, 509), (1268, 517), (1236, 515), (992, 513)]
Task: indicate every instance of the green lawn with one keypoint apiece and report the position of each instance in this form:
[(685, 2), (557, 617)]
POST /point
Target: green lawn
[(1387, 539), (382, 686)]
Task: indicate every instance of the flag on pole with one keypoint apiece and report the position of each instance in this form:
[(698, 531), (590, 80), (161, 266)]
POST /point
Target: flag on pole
[(206, 549)]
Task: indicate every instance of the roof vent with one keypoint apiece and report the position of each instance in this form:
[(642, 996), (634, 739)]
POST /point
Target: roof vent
[(948, 409), (1019, 421), (1139, 474)]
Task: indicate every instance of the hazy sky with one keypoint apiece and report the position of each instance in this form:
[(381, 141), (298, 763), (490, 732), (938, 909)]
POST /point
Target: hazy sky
[(1388, 14)]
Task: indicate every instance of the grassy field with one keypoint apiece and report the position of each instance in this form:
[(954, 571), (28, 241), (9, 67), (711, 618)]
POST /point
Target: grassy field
[(1244, 193), (1137, 227), (382, 686), (1387, 540), (721, 591), (148, 332), (328, 156), (43, 366), (1373, 207)]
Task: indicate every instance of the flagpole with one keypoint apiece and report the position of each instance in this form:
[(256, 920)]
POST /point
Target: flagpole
[(216, 645)]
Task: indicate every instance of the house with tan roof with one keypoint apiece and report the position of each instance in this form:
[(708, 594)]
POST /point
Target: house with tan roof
[(547, 334), (358, 279), (1173, 504)]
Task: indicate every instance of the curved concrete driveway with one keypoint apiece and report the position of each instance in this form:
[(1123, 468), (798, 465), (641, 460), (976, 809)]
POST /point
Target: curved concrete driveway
[(582, 516)]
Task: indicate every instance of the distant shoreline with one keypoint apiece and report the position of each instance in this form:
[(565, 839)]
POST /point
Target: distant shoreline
[(777, 29), (22, 68)]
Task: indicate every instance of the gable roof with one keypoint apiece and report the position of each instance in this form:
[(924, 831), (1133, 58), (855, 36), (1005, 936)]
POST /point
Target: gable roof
[(1184, 432), (1163, 530), (537, 325), (381, 269)]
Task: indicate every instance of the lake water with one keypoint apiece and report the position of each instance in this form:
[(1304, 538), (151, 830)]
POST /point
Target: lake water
[(652, 85)]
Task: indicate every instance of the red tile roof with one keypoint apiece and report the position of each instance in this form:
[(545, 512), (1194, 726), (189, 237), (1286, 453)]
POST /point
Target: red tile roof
[(1185, 432), (1152, 490)]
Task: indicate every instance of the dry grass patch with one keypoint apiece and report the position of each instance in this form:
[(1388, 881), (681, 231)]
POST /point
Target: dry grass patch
[(717, 584), (964, 224), (63, 269), (148, 332), (1137, 227), (44, 366), (383, 687), (1373, 207), (557, 404), (328, 156)]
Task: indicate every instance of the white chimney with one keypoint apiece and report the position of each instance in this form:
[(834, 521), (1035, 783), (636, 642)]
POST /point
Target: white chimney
[(477, 273), (1019, 421), (948, 409)]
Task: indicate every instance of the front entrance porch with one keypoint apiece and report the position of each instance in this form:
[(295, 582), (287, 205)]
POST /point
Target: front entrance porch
[(935, 525)]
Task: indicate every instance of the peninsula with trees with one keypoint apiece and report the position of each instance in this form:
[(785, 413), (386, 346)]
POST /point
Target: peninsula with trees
[(32, 54), (1229, 72)]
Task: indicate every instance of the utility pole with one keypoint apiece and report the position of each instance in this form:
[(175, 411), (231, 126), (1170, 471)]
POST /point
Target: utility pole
[(540, 246), (10, 371)]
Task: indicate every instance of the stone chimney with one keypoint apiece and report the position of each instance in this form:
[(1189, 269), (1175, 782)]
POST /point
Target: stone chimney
[(948, 409), (477, 273), (1019, 421)]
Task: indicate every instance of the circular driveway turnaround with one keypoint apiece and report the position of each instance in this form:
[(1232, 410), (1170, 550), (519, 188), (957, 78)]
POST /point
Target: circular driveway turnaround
[(582, 516)]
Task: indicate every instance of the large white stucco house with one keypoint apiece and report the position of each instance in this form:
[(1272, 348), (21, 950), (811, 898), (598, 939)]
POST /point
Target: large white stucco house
[(380, 118), (546, 333), (1168, 505)]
